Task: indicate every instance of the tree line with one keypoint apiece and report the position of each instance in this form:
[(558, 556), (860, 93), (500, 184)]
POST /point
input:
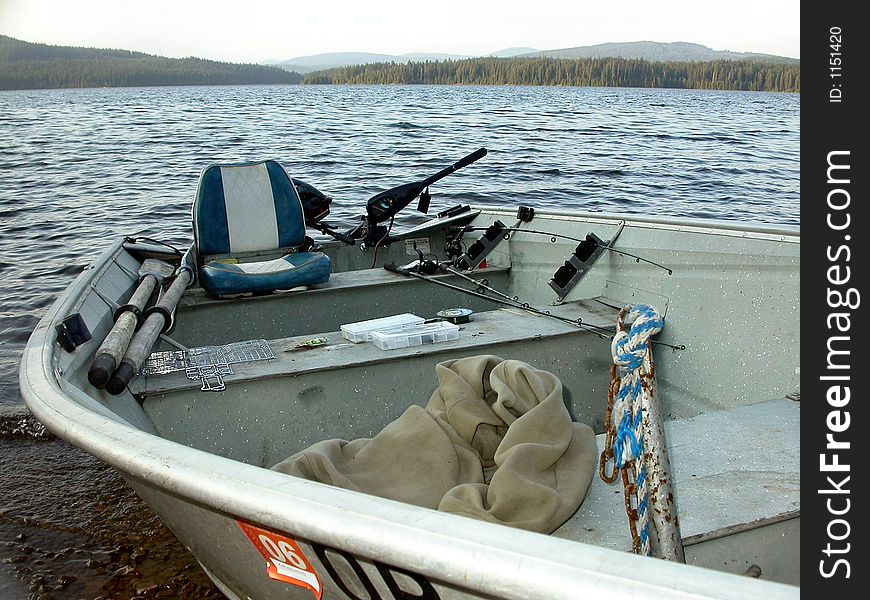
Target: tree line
[(24, 65), (36, 66), (600, 72), (136, 72)]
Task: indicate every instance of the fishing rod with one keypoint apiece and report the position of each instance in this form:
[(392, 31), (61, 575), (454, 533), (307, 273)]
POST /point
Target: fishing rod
[(481, 283), (512, 302), (554, 236), (578, 322)]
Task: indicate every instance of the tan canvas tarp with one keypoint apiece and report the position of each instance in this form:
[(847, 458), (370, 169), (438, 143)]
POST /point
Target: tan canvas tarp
[(495, 442)]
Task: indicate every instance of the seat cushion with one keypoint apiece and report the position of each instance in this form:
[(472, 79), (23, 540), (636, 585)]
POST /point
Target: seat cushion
[(302, 268)]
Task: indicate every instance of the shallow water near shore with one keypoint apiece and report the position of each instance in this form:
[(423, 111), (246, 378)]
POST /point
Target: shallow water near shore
[(78, 167), (71, 528)]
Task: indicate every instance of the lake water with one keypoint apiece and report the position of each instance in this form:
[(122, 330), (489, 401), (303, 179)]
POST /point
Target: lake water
[(80, 166)]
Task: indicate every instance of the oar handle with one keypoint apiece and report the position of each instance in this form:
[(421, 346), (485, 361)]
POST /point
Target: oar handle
[(115, 345), (159, 318)]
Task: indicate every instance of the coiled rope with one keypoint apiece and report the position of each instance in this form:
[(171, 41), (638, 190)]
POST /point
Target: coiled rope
[(631, 388)]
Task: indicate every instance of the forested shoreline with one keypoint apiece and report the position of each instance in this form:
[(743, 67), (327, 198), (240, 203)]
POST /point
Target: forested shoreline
[(24, 65), (599, 72), (136, 72)]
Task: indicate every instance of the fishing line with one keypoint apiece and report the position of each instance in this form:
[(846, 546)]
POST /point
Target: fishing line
[(555, 236), (481, 283), (504, 299), (601, 332)]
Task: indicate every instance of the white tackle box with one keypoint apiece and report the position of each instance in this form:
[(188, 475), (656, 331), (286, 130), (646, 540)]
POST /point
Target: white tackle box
[(415, 335), (361, 331)]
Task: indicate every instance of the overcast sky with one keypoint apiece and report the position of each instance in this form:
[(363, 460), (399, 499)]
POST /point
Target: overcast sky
[(255, 30)]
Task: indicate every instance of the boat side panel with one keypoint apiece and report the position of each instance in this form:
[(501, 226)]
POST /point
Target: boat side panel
[(95, 295), (529, 569), (230, 558), (263, 421), (732, 300)]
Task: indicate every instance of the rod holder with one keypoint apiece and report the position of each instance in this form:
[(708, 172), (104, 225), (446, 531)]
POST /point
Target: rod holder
[(581, 260), (479, 250)]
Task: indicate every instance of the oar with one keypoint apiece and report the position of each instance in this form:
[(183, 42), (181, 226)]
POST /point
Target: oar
[(127, 317), (158, 319)]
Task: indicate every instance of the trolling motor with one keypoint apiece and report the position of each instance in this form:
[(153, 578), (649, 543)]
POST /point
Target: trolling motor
[(385, 205), (315, 207), (379, 208)]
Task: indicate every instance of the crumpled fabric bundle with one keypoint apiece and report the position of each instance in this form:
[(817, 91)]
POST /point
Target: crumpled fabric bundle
[(495, 442)]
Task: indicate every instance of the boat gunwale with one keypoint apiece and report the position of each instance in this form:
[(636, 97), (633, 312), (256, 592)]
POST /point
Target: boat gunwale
[(443, 549), (783, 233)]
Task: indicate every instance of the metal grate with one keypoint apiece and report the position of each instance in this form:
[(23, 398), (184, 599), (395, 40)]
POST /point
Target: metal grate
[(208, 364)]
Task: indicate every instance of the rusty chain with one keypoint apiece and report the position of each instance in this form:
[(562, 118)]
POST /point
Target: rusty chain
[(608, 470)]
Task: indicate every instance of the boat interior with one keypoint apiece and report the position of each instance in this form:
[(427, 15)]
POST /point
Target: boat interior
[(726, 362)]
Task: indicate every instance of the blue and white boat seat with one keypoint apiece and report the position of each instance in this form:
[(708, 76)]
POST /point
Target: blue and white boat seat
[(247, 226)]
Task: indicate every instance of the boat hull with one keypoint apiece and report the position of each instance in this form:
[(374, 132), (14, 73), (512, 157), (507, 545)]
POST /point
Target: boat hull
[(731, 300)]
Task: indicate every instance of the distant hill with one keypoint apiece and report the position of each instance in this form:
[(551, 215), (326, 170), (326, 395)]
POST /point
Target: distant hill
[(660, 52), (331, 60), (24, 65), (652, 51), (509, 52), (14, 51)]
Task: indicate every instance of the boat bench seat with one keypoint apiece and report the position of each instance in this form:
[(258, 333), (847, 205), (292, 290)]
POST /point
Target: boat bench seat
[(346, 297), (736, 477), (366, 280), (489, 332)]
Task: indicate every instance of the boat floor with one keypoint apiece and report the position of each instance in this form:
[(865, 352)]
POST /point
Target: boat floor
[(734, 471)]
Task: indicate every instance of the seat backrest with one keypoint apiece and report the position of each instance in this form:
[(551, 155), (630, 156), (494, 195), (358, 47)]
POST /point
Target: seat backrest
[(246, 207)]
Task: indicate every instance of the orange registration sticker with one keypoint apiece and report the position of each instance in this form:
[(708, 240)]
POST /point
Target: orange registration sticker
[(284, 560)]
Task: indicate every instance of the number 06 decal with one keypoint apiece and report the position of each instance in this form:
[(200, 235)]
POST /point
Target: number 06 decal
[(284, 560)]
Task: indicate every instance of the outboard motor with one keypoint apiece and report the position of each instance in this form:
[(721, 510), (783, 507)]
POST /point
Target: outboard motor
[(315, 204), (315, 207)]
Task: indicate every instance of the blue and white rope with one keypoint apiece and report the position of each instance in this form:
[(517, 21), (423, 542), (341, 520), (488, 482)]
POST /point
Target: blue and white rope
[(630, 354)]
